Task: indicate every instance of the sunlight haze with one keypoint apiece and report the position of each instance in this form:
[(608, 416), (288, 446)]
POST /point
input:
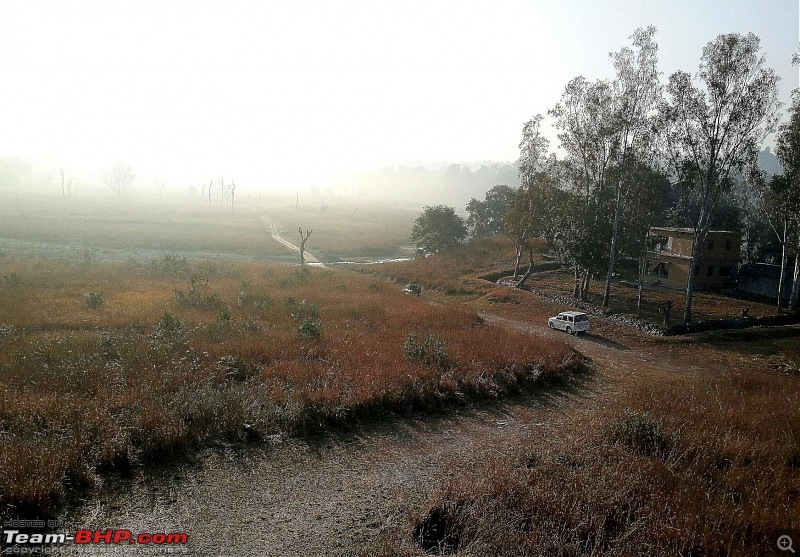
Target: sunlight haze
[(292, 94)]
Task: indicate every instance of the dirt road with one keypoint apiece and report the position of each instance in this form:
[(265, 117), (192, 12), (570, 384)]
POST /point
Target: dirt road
[(328, 494), (270, 225)]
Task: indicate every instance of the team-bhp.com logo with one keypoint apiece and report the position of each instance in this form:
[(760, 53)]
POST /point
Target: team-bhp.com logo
[(22, 537)]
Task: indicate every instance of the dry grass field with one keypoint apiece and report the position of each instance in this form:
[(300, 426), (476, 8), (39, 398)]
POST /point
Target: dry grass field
[(106, 366), (689, 446)]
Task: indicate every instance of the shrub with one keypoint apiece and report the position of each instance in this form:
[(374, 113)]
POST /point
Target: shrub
[(197, 297), (221, 326), (12, 279), (641, 432), (431, 351), (94, 299), (169, 330), (302, 309), (310, 328), (170, 264), (251, 326), (257, 302)]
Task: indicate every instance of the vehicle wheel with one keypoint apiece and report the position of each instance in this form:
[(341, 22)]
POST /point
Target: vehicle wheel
[(552, 326), (569, 330)]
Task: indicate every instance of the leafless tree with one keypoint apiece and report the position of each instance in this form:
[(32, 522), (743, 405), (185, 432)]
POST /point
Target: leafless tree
[(160, 186), (303, 240), (66, 186), (119, 178)]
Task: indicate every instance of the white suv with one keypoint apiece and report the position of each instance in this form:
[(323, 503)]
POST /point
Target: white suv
[(570, 321)]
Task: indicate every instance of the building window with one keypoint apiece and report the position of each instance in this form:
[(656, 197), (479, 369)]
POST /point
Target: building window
[(710, 245), (725, 271), (710, 271), (727, 245)]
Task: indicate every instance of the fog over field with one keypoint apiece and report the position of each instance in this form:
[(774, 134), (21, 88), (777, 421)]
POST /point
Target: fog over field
[(400, 278), (348, 97)]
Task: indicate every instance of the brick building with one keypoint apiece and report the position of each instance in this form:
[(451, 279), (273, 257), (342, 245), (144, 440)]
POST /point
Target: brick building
[(716, 267)]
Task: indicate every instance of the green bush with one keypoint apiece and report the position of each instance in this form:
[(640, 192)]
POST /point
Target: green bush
[(430, 351), (197, 297), (310, 328), (94, 299), (170, 330), (301, 310), (641, 432)]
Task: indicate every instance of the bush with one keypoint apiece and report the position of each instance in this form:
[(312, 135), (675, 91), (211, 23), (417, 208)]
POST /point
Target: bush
[(170, 264), (310, 328), (94, 300), (257, 302), (221, 326), (641, 432), (431, 351), (302, 309), (169, 330), (197, 297)]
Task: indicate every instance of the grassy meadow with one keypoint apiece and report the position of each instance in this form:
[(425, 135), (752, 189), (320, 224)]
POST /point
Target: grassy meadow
[(106, 366)]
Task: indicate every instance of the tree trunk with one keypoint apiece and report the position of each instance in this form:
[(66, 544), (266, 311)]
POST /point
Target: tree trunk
[(687, 308), (612, 258), (585, 285), (642, 273), (783, 267), (518, 259), (576, 290), (793, 301), (528, 273)]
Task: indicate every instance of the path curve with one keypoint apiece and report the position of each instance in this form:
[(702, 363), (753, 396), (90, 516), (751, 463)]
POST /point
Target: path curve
[(272, 228)]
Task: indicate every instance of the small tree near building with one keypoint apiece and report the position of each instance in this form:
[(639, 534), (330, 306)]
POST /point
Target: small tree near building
[(437, 229)]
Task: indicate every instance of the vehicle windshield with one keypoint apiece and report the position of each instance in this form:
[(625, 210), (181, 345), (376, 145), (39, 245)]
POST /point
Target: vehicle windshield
[(581, 317)]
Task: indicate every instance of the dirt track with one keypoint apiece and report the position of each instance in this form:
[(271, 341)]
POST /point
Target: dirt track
[(329, 494)]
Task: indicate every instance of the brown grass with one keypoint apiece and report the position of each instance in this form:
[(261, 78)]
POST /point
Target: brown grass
[(703, 466), (86, 390), (452, 273)]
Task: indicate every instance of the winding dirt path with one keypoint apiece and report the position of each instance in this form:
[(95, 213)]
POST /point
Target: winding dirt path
[(331, 493), (270, 225)]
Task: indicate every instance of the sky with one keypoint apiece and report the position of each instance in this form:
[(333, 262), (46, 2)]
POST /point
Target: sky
[(288, 94)]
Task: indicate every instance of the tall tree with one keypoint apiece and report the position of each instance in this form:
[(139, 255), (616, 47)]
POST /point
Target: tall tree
[(788, 152), (584, 118), (714, 123), (523, 218), (777, 201), (635, 94), (486, 217)]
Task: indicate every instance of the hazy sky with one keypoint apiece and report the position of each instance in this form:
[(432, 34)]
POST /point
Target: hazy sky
[(286, 93)]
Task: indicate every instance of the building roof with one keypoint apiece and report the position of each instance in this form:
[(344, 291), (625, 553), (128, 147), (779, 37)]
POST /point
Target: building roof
[(676, 231)]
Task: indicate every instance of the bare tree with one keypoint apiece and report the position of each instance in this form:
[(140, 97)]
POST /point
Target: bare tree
[(66, 186), (232, 192), (119, 178), (160, 186), (303, 240)]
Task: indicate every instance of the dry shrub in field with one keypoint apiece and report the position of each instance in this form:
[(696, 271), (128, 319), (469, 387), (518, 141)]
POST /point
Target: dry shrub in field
[(706, 469), (149, 375)]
